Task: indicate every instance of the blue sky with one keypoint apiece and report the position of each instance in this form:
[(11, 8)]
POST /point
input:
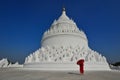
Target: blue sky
[(23, 22)]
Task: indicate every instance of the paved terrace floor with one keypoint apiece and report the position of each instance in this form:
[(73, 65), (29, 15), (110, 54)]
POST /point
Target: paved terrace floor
[(20, 74)]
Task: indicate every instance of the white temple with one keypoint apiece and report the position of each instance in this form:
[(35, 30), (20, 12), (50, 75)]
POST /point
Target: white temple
[(62, 46)]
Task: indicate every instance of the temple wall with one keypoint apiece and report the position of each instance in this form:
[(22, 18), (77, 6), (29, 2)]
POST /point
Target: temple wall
[(67, 66), (64, 40)]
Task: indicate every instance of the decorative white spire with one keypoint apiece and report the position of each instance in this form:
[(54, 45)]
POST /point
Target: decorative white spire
[(63, 11), (63, 16), (64, 22)]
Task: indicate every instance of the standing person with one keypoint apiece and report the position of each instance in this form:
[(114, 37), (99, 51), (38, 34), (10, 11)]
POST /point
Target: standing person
[(81, 65)]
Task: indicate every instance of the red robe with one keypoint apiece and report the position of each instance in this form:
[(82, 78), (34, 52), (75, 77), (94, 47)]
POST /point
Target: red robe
[(81, 65)]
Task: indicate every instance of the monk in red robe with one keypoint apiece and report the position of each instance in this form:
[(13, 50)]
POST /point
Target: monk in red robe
[(81, 65)]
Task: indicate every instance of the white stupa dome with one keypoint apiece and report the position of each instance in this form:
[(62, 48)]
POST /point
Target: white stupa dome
[(62, 46), (64, 32)]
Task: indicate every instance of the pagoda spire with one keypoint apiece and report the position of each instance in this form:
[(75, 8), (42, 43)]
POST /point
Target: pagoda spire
[(63, 10)]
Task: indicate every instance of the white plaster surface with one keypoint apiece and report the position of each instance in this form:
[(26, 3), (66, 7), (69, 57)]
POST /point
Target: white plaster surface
[(64, 44), (5, 64)]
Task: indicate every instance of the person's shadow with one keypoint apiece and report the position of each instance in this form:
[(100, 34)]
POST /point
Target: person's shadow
[(75, 73), (81, 75)]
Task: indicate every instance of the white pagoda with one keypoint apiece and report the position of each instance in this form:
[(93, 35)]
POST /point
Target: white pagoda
[(62, 46)]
